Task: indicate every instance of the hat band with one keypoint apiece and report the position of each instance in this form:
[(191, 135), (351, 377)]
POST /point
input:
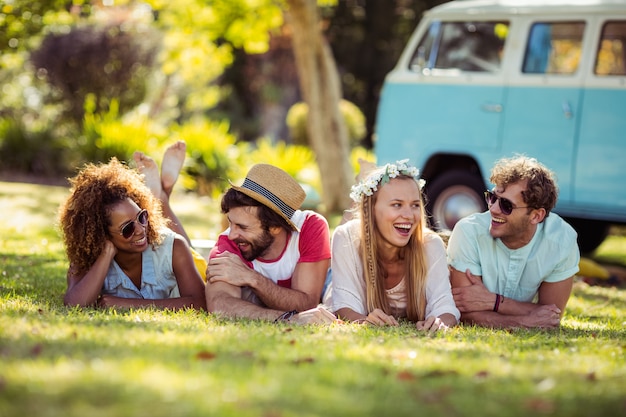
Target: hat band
[(259, 189)]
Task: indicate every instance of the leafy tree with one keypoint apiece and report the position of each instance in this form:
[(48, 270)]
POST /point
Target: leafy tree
[(22, 21), (200, 37), (108, 62), (321, 89), (367, 38), (219, 27)]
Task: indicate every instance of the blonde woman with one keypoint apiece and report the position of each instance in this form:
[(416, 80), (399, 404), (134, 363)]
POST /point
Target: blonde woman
[(386, 264)]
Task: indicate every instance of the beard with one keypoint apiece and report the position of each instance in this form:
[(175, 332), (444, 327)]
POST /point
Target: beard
[(256, 247)]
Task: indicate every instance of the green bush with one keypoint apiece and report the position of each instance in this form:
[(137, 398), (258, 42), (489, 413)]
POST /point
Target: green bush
[(214, 156), (30, 151), (108, 135), (353, 117), (297, 160)]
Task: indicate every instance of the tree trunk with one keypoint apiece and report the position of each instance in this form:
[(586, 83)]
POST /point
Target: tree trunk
[(321, 90)]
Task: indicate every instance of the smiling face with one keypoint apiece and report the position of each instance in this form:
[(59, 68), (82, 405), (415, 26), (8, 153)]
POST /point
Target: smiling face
[(518, 228), (397, 211), (121, 215), (248, 233)]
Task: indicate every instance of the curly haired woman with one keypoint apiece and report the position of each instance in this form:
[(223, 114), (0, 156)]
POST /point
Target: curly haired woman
[(121, 251), (386, 264)]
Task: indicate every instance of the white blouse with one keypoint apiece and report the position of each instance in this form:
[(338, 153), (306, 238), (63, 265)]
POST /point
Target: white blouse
[(348, 282)]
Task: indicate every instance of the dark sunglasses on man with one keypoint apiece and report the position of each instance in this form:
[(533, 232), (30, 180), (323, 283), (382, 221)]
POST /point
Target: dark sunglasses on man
[(506, 206)]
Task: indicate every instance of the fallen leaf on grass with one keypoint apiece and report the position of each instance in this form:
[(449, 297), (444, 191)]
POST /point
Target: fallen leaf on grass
[(205, 356), (482, 374), (303, 360), (36, 350), (405, 376)]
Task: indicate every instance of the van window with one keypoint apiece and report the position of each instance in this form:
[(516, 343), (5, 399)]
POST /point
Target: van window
[(461, 46), (611, 55), (553, 48)]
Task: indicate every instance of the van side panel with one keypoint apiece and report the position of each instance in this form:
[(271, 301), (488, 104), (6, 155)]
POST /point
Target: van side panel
[(541, 122), (423, 113), (601, 173)]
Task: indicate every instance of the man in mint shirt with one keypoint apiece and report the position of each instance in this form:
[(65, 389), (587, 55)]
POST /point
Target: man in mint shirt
[(514, 265)]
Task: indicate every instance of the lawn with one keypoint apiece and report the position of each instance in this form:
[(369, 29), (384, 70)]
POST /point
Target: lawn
[(58, 361)]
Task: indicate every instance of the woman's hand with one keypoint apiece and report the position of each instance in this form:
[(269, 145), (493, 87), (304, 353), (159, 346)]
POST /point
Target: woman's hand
[(109, 249), (431, 324), (379, 318)]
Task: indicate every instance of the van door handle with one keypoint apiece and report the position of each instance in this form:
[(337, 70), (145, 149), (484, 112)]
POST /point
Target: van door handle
[(492, 108), (567, 110)]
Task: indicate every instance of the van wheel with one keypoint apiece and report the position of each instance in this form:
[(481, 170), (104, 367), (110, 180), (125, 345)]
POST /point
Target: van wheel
[(452, 196), (591, 233)]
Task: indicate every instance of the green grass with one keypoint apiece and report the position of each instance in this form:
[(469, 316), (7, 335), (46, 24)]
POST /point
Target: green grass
[(57, 361)]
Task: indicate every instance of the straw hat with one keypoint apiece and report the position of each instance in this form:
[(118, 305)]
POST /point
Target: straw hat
[(274, 188)]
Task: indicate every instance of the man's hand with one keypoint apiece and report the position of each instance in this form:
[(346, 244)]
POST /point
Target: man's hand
[(544, 316), (229, 268), (317, 315), (475, 297)]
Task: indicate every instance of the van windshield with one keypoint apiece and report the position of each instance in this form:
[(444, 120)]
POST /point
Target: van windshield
[(462, 46)]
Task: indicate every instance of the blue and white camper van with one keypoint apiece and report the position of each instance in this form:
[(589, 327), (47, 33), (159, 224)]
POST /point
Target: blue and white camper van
[(484, 79)]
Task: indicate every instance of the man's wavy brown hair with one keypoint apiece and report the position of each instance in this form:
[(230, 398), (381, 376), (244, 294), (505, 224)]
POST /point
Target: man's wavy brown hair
[(541, 189), (84, 217)]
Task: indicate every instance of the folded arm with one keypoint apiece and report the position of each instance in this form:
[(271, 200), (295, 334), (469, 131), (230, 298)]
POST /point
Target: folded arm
[(190, 285), (226, 299), (477, 303), (83, 290), (306, 284)]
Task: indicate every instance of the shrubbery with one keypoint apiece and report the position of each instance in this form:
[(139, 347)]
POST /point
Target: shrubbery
[(353, 117)]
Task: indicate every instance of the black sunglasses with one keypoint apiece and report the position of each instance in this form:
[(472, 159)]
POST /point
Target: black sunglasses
[(128, 229), (506, 206)]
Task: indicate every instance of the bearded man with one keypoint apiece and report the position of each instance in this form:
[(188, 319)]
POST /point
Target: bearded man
[(272, 261)]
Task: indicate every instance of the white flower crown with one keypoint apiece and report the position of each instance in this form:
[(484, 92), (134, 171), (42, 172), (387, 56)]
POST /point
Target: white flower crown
[(382, 176)]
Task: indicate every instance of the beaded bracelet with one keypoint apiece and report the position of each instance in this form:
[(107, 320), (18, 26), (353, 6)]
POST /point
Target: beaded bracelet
[(286, 316)]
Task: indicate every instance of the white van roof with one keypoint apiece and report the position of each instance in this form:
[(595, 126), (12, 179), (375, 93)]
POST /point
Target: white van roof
[(481, 7)]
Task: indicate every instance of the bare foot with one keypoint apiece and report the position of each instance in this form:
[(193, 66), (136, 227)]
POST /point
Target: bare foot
[(150, 171), (173, 160)]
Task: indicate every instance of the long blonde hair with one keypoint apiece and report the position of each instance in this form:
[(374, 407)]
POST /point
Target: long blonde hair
[(413, 255)]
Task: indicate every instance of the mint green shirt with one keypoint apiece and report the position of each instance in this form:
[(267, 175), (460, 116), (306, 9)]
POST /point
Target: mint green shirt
[(551, 256)]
